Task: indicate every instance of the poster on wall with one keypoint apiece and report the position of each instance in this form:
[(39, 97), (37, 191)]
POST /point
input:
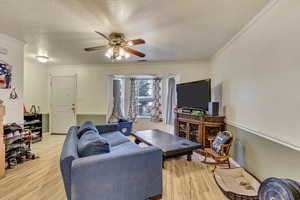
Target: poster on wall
[(5, 75)]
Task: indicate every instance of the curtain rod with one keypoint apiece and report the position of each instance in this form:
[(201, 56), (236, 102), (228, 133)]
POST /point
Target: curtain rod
[(154, 78), (143, 76)]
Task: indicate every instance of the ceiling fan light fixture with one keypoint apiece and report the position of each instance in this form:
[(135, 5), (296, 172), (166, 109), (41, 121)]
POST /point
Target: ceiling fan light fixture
[(122, 52), (127, 55), (130, 43), (107, 55), (110, 51), (42, 59), (117, 47)]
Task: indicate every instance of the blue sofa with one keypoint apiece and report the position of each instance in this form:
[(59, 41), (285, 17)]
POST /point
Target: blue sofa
[(128, 172)]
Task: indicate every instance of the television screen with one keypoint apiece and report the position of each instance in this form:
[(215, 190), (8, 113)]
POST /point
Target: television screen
[(194, 94)]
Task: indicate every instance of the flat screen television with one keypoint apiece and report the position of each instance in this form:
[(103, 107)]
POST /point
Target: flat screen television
[(194, 94)]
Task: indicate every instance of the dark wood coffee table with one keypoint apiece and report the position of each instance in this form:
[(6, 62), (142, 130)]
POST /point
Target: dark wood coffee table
[(171, 145)]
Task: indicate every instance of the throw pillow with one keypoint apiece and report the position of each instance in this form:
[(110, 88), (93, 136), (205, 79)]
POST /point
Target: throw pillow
[(219, 140), (91, 143), (86, 127)]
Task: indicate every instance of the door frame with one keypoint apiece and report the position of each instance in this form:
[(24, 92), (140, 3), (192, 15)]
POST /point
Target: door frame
[(51, 76)]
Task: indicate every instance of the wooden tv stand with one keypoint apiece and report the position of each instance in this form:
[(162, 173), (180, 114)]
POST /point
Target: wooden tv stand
[(198, 128)]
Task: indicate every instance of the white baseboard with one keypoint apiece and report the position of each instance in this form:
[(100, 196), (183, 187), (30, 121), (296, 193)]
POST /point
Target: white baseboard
[(234, 162)]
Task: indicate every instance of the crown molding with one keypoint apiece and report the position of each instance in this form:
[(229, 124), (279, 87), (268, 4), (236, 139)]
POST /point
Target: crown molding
[(246, 27)]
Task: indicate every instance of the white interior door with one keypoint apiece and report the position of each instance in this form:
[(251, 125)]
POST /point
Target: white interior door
[(62, 103)]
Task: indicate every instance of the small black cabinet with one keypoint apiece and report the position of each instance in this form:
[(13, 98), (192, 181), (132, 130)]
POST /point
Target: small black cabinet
[(33, 122)]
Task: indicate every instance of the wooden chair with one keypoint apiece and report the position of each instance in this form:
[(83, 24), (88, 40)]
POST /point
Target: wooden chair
[(223, 156)]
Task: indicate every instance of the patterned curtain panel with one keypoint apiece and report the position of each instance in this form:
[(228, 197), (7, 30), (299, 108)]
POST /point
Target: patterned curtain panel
[(110, 98), (156, 109), (127, 93), (117, 110), (171, 98), (132, 110)]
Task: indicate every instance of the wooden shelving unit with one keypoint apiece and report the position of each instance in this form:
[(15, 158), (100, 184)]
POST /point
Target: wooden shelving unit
[(198, 128), (33, 122)]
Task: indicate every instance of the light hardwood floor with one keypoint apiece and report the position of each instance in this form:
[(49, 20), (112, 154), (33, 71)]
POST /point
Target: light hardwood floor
[(40, 179)]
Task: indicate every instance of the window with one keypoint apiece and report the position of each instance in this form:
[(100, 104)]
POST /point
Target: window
[(144, 97)]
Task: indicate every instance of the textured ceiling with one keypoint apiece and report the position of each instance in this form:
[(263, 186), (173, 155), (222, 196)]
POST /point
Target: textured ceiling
[(173, 29)]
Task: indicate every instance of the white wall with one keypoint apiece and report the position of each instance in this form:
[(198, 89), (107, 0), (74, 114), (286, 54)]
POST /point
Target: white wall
[(92, 80), (15, 56), (36, 85), (257, 76)]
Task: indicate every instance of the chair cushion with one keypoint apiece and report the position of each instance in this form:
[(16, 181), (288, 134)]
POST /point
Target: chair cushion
[(91, 143), (86, 127), (219, 140), (115, 138)]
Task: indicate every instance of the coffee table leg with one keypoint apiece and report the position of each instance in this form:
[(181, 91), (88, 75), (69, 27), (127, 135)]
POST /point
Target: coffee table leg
[(189, 156)]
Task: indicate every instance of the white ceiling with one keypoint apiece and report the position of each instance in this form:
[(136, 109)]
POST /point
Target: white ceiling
[(173, 29)]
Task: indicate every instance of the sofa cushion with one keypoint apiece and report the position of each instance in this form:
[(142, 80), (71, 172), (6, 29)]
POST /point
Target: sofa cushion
[(107, 128), (125, 147), (125, 126), (91, 143), (115, 138), (86, 127)]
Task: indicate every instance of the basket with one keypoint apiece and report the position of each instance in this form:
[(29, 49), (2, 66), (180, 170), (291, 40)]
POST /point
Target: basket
[(237, 184)]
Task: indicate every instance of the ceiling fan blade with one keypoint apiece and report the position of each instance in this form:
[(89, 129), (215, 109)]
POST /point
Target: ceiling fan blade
[(97, 48), (103, 35), (135, 42), (134, 52)]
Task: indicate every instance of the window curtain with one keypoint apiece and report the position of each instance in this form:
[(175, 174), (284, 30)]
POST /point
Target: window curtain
[(171, 101), (132, 109), (156, 109), (117, 109), (110, 98), (127, 94)]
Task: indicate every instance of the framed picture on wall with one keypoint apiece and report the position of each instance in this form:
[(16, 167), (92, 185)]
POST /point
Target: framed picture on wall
[(5, 75)]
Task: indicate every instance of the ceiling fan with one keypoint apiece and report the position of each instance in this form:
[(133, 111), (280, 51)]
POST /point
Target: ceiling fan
[(118, 47)]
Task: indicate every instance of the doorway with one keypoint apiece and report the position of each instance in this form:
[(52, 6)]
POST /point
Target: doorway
[(62, 103)]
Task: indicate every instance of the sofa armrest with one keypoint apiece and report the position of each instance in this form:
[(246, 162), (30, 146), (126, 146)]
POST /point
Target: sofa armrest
[(125, 127), (68, 155), (133, 175), (106, 128)]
